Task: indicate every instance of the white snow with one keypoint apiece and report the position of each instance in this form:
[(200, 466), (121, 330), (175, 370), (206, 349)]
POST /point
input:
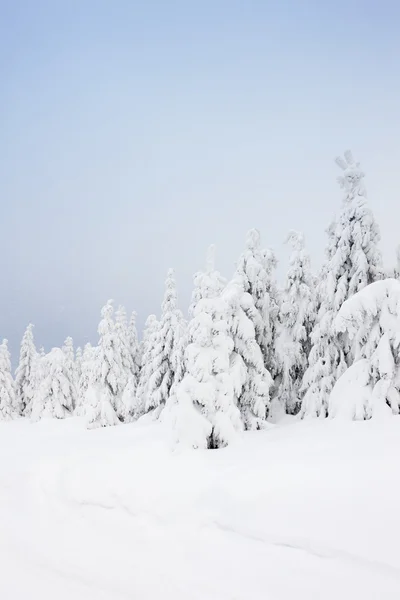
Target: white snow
[(305, 510)]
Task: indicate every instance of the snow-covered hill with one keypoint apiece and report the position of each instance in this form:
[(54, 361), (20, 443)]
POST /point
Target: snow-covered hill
[(304, 510)]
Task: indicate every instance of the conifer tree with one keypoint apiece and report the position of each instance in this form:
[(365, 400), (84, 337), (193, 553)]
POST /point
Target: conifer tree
[(134, 345), (148, 343), (123, 349), (100, 405), (207, 416), (85, 377), (371, 318), (164, 348), (252, 380), (255, 273), (54, 396), (296, 320), (70, 366), (353, 262), (8, 405), (25, 380)]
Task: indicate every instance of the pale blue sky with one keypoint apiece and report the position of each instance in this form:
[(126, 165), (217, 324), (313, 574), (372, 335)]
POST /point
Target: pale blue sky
[(134, 134)]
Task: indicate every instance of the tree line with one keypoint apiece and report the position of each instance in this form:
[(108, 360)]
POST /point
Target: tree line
[(249, 347)]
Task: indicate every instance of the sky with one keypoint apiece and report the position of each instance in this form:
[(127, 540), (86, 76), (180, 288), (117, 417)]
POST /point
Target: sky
[(134, 134)]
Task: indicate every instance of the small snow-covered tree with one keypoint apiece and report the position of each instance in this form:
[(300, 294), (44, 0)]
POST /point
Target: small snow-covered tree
[(53, 398), (85, 377), (8, 405), (296, 319), (164, 348), (255, 272), (371, 318), (147, 348), (70, 366), (25, 379), (207, 416), (353, 262), (100, 404)]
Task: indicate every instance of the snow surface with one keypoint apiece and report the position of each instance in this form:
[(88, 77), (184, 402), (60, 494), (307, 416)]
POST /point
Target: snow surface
[(305, 510)]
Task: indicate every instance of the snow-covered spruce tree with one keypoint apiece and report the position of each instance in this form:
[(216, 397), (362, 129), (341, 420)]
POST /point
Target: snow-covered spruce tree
[(162, 366), (85, 377), (296, 319), (255, 272), (134, 345), (251, 378), (53, 398), (25, 380), (353, 262), (123, 348), (207, 416), (100, 404), (371, 318), (8, 405), (148, 343), (70, 366), (78, 365)]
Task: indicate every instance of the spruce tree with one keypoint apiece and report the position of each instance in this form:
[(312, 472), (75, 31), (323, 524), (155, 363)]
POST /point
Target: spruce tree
[(8, 405), (207, 416), (54, 395), (255, 273), (70, 366), (296, 320), (85, 377), (25, 378), (165, 347), (353, 262), (150, 336), (101, 398)]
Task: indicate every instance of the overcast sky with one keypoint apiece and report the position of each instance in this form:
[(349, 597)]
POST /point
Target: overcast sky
[(134, 134)]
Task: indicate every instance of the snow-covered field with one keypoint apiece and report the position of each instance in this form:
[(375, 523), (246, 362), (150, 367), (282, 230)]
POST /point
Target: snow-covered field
[(303, 510)]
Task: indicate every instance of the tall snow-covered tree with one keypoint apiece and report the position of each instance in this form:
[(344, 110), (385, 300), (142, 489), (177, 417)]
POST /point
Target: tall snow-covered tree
[(123, 349), (255, 272), (134, 345), (150, 336), (207, 416), (54, 396), (252, 379), (25, 379), (296, 319), (8, 405), (101, 398), (78, 365), (85, 377), (165, 347), (70, 366), (371, 318), (353, 262)]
